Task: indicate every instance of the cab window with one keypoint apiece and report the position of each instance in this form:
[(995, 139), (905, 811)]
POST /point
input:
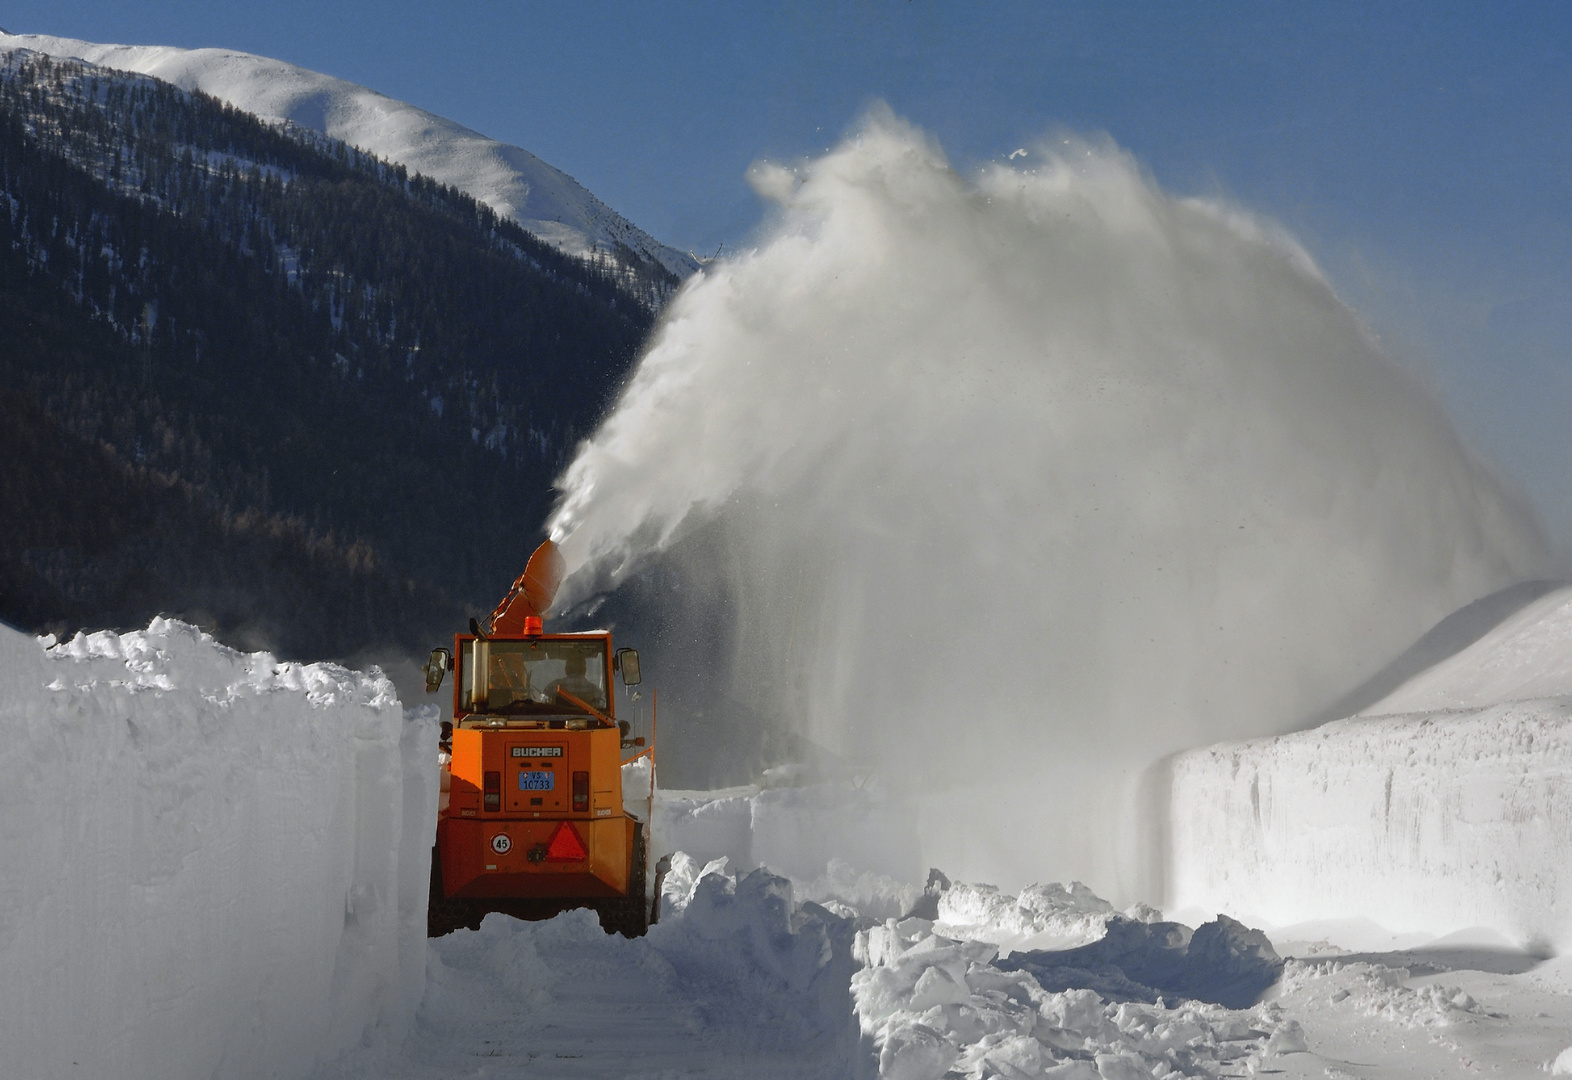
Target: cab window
[(533, 678)]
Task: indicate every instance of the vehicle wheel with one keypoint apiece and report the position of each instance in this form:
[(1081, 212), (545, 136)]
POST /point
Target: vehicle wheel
[(446, 914), (629, 915)]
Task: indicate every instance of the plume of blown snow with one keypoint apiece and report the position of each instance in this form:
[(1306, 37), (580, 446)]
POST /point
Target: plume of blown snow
[(1023, 481)]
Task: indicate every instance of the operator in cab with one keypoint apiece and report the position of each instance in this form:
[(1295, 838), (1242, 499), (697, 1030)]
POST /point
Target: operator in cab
[(573, 681)]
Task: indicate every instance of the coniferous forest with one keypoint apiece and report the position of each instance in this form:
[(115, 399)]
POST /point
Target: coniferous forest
[(255, 378)]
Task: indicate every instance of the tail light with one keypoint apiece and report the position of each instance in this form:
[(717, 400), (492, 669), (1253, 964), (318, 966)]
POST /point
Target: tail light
[(493, 791), (580, 791)]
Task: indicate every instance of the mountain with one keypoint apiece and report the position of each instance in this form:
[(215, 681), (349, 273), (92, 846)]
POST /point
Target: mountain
[(510, 180), (261, 379)]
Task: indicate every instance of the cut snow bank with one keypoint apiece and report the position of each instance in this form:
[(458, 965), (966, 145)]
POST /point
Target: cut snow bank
[(215, 864), (511, 180), (1452, 809), (1428, 823)]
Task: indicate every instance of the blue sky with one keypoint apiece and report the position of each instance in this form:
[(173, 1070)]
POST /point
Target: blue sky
[(1422, 152)]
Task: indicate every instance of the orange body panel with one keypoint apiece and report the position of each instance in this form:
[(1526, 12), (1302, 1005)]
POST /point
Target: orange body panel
[(522, 751), (472, 865), (498, 852)]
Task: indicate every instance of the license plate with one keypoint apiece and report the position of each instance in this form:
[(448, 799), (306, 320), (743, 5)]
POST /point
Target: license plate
[(529, 780)]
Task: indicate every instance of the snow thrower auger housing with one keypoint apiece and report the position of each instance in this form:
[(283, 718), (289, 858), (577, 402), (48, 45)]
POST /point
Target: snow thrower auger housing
[(531, 820)]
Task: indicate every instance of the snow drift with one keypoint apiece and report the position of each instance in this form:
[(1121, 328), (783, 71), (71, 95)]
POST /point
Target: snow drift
[(1018, 483), (933, 1006), (215, 864), (1449, 810), (509, 179)]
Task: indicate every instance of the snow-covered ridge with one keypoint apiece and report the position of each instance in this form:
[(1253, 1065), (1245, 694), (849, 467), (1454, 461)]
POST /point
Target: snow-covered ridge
[(509, 179)]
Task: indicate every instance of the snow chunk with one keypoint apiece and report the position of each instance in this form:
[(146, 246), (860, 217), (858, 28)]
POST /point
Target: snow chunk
[(638, 787), (936, 1005), (1052, 916)]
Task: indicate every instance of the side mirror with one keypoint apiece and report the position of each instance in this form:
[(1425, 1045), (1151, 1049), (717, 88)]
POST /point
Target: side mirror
[(627, 661), (436, 667)]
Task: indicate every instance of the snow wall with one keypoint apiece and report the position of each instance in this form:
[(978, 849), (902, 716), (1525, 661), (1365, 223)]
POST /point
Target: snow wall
[(216, 865), (1447, 806), (1430, 823), (1014, 484)]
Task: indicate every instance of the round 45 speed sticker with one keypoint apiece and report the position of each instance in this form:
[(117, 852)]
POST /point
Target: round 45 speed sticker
[(501, 843)]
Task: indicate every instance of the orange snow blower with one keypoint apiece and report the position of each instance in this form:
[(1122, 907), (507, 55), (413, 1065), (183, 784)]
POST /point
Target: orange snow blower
[(531, 820)]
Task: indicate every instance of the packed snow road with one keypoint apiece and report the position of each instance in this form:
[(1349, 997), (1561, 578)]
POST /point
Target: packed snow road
[(1395, 1020), (563, 999)]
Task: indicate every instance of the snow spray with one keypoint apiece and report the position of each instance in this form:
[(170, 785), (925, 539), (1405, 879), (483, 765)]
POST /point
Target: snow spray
[(1021, 482)]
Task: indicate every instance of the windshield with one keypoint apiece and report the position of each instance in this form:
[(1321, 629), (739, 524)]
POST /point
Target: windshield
[(533, 678)]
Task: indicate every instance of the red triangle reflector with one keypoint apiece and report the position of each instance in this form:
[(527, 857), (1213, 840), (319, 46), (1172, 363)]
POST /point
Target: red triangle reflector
[(565, 845)]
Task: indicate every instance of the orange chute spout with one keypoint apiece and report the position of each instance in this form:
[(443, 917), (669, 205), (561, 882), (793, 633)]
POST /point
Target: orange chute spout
[(527, 602)]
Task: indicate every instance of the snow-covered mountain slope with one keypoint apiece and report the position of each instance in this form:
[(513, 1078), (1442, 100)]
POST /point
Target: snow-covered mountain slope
[(1527, 656), (509, 179)]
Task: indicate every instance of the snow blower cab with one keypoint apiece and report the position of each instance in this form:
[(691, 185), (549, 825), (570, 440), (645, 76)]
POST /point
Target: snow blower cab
[(531, 819)]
